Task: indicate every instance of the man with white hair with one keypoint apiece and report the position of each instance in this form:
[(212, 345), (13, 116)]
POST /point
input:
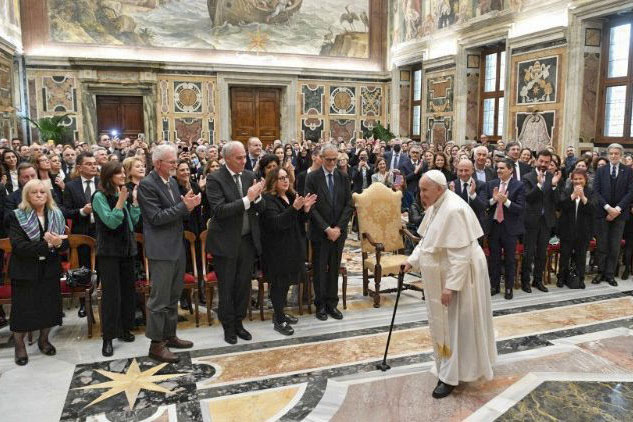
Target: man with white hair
[(455, 277), (235, 203), (254, 152), (163, 210), (481, 171)]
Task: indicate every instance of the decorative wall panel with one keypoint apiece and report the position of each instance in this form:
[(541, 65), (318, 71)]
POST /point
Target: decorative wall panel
[(343, 129), (188, 129), (472, 105), (312, 99), (312, 128), (437, 113), (342, 100), (537, 81), (59, 94), (589, 97), (440, 94), (371, 100), (187, 97)]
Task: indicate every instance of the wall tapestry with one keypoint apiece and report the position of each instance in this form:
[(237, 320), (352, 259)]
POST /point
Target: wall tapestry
[(536, 80), (535, 129)]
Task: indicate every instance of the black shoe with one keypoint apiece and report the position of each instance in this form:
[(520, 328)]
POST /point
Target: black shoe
[(284, 328), (127, 337), (229, 335), (81, 313), (321, 314), (184, 304), (241, 332), (626, 273), (442, 390), (561, 281), (612, 281), (334, 313), (582, 284), (107, 349), (508, 295), (47, 348), (539, 285), (21, 360), (291, 319), (526, 287), (494, 291), (597, 279), (3, 322)]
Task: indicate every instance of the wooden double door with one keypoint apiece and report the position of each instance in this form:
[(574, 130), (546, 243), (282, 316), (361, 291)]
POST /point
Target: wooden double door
[(123, 114), (255, 112)]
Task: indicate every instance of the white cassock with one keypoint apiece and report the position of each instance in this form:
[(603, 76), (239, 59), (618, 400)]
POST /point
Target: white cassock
[(449, 256)]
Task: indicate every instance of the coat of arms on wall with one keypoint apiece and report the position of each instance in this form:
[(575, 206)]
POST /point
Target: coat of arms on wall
[(536, 80)]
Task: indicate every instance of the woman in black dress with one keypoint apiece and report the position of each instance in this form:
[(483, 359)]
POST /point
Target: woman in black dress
[(36, 230), (283, 242)]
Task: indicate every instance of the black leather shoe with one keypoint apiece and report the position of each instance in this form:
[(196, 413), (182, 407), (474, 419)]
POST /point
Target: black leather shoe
[(612, 281), (3, 322), (321, 314), (127, 337), (184, 304), (597, 279), (526, 288), (508, 295), (107, 349), (242, 333), (284, 328), (21, 360), (442, 390), (229, 336), (539, 285), (494, 291), (81, 313), (291, 319), (334, 313), (626, 273), (47, 348)]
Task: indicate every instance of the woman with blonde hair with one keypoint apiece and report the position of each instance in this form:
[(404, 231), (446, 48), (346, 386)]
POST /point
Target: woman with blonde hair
[(36, 231)]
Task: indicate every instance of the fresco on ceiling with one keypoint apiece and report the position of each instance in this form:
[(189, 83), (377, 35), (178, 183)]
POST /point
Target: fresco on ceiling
[(310, 27), (415, 19)]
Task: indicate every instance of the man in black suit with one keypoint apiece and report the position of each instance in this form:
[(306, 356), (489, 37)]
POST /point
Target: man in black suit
[(254, 152), (613, 188), (396, 157), (68, 162), (361, 173), (328, 230), (519, 168), (354, 153), (413, 169), (482, 172), (77, 205), (163, 210), (505, 224), (474, 192), (541, 200), (300, 182), (235, 204)]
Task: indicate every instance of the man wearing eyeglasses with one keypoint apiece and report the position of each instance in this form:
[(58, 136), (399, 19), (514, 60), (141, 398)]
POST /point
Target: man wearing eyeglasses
[(329, 218)]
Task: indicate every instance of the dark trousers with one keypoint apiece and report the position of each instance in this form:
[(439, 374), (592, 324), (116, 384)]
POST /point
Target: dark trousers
[(117, 304), (535, 242), (234, 282), (326, 261), (579, 250), (167, 283), (278, 296), (609, 234), (497, 240)]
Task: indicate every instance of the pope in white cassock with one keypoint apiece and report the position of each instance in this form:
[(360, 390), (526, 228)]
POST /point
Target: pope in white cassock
[(456, 284)]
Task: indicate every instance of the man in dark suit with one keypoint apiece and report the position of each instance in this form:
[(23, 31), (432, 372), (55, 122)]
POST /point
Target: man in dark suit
[(235, 204), (505, 224), (482, 172), (300, 182), (68, 162), (77, 205), (519, 168), (413, 169), (328, 229), (396, 157), (361, 173), (163, 210), (541, 200), (254, 152), (613, 188), (474, 192), (354, 153)]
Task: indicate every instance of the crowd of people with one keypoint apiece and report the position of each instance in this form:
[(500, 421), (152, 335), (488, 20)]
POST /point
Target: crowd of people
[(264, 205)]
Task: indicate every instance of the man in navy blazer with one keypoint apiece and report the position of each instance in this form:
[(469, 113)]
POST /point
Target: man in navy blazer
[(254, 152), (396, 157), (474, 192), (613, 188), (505, 220)]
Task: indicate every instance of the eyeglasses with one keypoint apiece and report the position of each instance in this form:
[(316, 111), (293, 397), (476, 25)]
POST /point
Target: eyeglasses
[(330, 160), (282, 178)]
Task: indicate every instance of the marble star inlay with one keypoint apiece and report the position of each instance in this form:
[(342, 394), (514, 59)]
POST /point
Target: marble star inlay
[(131, 382)]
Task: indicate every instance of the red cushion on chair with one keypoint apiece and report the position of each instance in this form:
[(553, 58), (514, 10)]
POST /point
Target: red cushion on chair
[(553, 248), (211, 276), (209, 257), (5, 291), (140, 283), (189, 278), (64, 286), (593, 243), (65, 266), (519, 248)]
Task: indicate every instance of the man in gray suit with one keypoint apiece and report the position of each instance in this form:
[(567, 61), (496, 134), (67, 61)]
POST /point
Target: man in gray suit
[(163, 210)]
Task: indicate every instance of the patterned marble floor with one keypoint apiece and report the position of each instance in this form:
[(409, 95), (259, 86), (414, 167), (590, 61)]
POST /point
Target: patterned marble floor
[(564, 355)]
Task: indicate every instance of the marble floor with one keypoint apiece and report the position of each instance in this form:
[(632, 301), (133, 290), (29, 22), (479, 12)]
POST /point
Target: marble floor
[(564, 355)]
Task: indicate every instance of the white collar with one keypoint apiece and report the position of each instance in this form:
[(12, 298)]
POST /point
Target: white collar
[(231, 172), (84, 180)]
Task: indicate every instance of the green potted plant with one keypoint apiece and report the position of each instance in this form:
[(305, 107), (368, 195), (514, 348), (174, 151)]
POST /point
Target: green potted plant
[(51, 128), (382, 133)]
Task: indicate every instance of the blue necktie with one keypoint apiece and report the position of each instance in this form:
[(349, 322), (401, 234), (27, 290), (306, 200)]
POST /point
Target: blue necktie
[(613, 172), (330, 186)]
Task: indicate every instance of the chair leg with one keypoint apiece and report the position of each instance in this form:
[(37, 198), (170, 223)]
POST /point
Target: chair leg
[(344, 271), (377, 277), (250, 303), (301, 287), (309, 304), (365, 281), (89, 315), (208, 294), (260, 298), (197, 315)]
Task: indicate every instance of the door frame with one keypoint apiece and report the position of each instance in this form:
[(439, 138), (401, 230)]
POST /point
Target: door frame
[(287, 102)]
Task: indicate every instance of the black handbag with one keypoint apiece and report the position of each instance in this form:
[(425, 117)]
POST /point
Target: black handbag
[(79, 277), (573, 281)]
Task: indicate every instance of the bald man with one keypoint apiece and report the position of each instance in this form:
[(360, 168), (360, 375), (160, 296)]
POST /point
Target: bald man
[(473, 191)]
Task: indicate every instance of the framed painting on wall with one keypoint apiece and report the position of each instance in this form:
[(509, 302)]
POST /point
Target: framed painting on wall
[(537, 81), (535, 129)]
